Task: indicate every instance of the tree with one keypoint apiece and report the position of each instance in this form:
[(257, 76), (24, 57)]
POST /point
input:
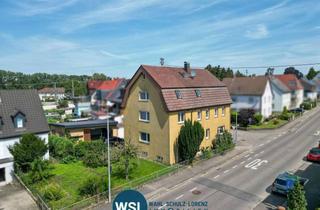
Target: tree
[(100, 76), (189, 140), (312, 73), (29, 148), (126, 155), (246, 117), (223, 142), (39, 170), (269, 71), (292, 70), (296, 198)]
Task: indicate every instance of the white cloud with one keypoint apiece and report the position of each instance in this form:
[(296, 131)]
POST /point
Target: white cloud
[(259, 31)]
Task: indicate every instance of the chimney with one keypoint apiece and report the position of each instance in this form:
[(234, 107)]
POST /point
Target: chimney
[(187, 67)]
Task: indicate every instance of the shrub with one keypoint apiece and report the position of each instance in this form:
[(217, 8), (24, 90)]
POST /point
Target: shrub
[(29, 148), (39, 171), (258, 118), (80, 149), (53, 192), (93, 185), (223, 142), (296, 198), (275, 122), (306, 105), (69, 159), (246, 117), (206, 153), (60, 147), (93, 159)]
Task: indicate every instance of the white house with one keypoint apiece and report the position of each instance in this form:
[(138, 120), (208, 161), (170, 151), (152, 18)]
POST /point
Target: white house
[(251, 93), (51, 93), (310, 89), (291, 82), (281, 95), (20, 113)]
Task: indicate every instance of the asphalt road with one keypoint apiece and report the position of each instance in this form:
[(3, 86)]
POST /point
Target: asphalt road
[(244, 182)]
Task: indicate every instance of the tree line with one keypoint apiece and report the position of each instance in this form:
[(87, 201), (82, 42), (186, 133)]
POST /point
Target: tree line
[(18, 80)]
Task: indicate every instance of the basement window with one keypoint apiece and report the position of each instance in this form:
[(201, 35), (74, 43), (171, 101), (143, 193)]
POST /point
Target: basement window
[(178, 94)]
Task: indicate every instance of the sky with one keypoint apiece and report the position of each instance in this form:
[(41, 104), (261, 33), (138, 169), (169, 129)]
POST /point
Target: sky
[(115, 37)]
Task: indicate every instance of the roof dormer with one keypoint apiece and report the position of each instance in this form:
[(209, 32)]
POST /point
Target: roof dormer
[(19, 119)]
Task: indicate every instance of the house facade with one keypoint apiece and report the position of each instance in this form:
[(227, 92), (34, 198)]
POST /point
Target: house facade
[(51, 93), (251, 93), (20, 113), (309, 89), (296, 89), (158, 100), (281, 95)]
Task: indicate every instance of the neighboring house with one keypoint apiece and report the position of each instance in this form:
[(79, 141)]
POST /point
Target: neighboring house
[(295, 87), (107, 93), (82, 106), (310, 89), (316, 81), (250, 93), (158, 100), (86, 130), (281, 95), (20, 113), (49, 105), (51, 93)]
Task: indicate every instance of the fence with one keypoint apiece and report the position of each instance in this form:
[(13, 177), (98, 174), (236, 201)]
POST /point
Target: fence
[(34, 194)]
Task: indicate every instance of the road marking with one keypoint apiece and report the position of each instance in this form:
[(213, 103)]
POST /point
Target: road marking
[(275, 137), (226, 171), (235, 166), (284, 132), (256, 155), (216, 176), (260, 145), (242, 162), (261, 152), (162, 206), (255, 164), (247, 155), (249, 158), (193, 189), (180, 196), (268, 141)]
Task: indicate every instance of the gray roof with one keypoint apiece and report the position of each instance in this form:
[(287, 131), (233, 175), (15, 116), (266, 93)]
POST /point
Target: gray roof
[(26, 102), (85, 124), (277, 83)]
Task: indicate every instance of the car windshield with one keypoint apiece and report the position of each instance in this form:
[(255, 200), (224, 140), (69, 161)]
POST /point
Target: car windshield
[(315, 151), (281, 182)]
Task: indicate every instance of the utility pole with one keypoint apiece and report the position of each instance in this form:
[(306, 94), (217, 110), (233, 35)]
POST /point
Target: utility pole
[(109, 164), (55, 91), (72, 88)]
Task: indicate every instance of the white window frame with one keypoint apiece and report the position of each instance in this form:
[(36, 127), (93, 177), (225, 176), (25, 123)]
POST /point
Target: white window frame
[(223, 111), (19, 122), (147, 135), (207, 133), (199, 115), (146, 95), (218, 130), (147, 114), (207, 114), (183, 114), (216, 112)]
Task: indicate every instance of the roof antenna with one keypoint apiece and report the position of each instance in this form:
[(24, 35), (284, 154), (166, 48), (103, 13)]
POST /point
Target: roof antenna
[(161, 61)]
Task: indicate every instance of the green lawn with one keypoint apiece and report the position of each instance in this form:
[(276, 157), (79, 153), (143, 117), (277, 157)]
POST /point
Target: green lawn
[(71, 176), (268, 125)]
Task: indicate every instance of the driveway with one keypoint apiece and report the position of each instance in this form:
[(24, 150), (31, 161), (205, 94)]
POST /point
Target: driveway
[(13, 196)]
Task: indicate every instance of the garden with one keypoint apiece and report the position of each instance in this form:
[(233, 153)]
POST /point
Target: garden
[(77, 170)]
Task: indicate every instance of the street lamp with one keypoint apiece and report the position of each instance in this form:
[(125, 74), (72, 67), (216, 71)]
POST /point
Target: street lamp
[(108, 104)]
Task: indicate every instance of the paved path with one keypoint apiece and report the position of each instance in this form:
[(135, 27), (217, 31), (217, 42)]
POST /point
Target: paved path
[(243, 181)]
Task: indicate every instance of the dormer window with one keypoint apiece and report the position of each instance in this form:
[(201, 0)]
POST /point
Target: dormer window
[(178, 94), (198, 93), (19, 120)]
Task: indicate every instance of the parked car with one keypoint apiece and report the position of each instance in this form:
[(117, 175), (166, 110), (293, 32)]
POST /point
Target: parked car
[(285, 182), (314, 154), (298, 110)]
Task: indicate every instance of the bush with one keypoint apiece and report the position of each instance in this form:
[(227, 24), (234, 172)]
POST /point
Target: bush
[(206, 153), (39, 171), (93, 185), (275, 122), (80, 149), (69, 159), (258, 118), (306, 105), (246, 117), (93, 159), (233, 117), (30, 148), (60, 147), (53, 192), (223, 142)]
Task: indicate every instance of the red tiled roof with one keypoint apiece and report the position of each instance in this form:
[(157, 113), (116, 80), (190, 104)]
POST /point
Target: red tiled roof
[(246, 85), (170, 79), (290, 80), (104, 84), (52, 90)]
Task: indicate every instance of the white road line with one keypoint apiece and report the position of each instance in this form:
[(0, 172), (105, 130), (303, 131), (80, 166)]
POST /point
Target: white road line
[(268, 141), (242, 162), (261, 152), (249, 158), (216, 176), (226, 171), (193, 189), (247, 155), (180, 196), (275, 137), (235, 166), (256, 155), (260, 145)]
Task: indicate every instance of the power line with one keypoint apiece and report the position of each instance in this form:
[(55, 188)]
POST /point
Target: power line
[(274, 66)]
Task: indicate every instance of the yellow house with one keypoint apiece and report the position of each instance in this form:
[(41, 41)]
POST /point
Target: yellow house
[(159, 99)]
